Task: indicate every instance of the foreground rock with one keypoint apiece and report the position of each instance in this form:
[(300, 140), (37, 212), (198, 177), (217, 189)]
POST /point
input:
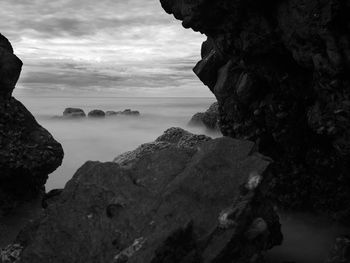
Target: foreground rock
[(74, 113), (28, 152), (208, 119), (97, 114), (182, 198), (280, 73)]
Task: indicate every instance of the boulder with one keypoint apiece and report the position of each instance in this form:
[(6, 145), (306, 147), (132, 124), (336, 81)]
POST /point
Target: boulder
[(28, 152), (73, 113), (182, 198), (208, 119), (96, 114), (280, 73)]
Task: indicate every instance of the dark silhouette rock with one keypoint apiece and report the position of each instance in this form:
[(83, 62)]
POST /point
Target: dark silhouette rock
[(112, 113), (182, 198), (280, 73), (28, 152), (10, 68), (73, 113), (96, 114), (208, 119)]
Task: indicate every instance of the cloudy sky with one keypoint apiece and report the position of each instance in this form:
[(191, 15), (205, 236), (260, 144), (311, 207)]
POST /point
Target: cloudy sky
[(101, 48)]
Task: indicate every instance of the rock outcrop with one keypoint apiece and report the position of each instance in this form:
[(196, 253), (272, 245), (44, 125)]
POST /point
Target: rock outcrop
[(97, 114), (280, 73), (183, 198), (127, 112), (28, 152), (208, 119), (74, 113)]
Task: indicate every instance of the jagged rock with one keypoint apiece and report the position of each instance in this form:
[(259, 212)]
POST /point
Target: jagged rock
[(73, 113), (182, 198), (28, 152), (209, 119), (96, 114), (280, 73), (341, 251)]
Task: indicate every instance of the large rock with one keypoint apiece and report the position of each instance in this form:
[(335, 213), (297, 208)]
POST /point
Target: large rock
[(208, 119), (182, 198), (97, 114), (28, 152), (280, 73), (73, 113), (10, 68)]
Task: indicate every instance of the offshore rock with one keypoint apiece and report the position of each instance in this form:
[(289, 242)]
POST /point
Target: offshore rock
[(28, 152), (97, 114), (183, 198), (73, 113), (280, 73), (208, 119)]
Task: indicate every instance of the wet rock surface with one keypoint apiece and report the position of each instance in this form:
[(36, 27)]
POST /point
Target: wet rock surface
[(182, 198), (208, 119), (280, 73), (28, 152)]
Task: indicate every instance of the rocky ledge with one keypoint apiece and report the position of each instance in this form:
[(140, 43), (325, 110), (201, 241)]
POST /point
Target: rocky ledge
[(280, 73), (28, 152), (167, 201)]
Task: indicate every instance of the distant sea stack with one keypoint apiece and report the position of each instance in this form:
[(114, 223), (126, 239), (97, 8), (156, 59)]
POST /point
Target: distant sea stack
[(28, 152), (280, 73)]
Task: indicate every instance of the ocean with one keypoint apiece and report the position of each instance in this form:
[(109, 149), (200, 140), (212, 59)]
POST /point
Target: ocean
[(104, 139)]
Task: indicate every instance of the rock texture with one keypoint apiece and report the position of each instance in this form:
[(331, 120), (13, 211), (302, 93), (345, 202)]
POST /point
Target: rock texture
[(208, 119), (28, 152), (341, 251), (280, 72), (183, 198)]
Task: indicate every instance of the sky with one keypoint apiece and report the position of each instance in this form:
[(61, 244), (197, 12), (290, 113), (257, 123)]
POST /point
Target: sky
[(101, 48)]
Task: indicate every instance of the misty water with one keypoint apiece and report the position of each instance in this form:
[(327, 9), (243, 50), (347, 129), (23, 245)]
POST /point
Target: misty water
[(104, 139), (308, 237)]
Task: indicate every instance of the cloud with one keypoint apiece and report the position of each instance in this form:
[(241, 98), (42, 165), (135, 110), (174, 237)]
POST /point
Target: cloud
[(72, 46)]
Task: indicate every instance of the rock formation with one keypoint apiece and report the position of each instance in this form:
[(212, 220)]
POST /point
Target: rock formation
[(97, 114), (280, 71), (208, 119), (73, 113), (165, 202), (28, 152), (127, 112)]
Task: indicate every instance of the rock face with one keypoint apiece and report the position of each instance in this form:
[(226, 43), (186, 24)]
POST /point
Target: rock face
[(209, 119), (28, 152), (73, 113), (96, 114), (280, 73), (182, 198)]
